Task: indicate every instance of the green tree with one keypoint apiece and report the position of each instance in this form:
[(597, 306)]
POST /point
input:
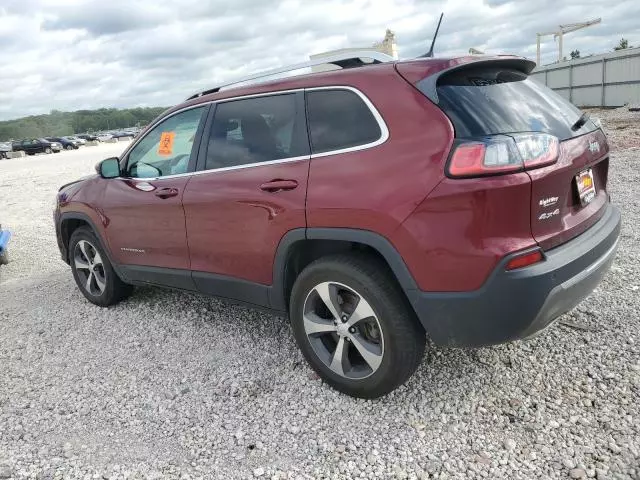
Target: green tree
[(624, 43), (58, 123)]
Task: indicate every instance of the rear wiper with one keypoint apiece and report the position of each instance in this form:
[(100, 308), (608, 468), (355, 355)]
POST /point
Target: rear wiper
[(584, 118)]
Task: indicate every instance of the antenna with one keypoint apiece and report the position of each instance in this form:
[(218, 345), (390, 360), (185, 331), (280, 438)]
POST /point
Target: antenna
[(430, 52)]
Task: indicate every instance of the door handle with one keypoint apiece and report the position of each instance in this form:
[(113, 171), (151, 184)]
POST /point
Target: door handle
[(278, 185), (166, 192)]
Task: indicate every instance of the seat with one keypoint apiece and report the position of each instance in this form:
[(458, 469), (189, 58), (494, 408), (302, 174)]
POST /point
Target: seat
[(257, 137)]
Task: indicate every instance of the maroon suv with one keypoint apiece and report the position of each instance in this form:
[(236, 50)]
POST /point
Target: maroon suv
[(456, 197)]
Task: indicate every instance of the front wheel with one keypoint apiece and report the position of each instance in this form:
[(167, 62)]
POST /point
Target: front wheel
[(69, 147), (93, 272), (48, 150), (354, 325)]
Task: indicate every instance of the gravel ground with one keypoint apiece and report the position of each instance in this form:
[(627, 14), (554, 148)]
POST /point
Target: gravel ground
[(174, 385)]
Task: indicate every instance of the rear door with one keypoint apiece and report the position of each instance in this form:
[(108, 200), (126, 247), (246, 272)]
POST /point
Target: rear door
[(145, 223), (250, 191), (489, 100)]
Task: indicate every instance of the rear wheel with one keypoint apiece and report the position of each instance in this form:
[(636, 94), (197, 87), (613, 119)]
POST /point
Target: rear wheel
[(354, 326), (93, 272)]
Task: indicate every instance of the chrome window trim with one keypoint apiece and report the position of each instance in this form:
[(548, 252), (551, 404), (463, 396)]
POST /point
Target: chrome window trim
[(384, 133), (223, 169)]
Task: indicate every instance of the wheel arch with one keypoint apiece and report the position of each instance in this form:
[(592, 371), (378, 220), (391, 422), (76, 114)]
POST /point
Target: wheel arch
[(299, 247), (71, 221)]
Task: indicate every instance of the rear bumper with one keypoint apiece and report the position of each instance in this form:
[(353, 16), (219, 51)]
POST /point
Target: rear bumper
[(516, 304)]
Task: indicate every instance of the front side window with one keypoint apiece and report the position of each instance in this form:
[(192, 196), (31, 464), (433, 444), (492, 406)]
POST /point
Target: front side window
[(339, 119), (256, 130), (167, 148)]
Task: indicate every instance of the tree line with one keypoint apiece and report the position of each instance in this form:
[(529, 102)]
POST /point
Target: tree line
[(57, 123), (623, 44)]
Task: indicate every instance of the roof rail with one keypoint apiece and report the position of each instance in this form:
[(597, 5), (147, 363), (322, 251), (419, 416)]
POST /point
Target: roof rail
[(348, 59)]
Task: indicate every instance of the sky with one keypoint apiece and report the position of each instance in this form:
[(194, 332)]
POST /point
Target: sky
[(82, 54)]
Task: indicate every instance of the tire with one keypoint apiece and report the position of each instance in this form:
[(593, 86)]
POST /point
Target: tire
[(4, 258), (69, 147), (48, 150), (88, 259), (393, 354)]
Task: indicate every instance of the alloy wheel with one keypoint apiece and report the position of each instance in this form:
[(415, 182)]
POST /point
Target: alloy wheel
[(343, 330), (90, 268)]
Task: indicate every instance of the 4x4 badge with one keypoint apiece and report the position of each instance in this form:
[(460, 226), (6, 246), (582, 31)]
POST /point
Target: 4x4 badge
[(594, 147), (548, 215)]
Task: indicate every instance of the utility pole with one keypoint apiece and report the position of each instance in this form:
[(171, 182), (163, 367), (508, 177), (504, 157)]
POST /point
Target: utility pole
[(568, 28)]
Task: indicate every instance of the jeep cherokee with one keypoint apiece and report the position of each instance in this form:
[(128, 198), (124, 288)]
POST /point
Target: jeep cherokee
[(452, 197)]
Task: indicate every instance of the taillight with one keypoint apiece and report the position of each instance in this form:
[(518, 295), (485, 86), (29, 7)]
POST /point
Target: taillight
[(524, 260), (503, 154), (537, 149)]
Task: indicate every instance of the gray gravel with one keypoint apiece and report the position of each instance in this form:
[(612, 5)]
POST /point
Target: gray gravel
[(173, 385)]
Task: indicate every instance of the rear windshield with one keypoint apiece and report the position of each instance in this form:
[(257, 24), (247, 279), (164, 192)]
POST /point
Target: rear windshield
[(490, 101)]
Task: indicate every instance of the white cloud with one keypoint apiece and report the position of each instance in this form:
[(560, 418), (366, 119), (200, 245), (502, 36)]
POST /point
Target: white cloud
[(73, 54)]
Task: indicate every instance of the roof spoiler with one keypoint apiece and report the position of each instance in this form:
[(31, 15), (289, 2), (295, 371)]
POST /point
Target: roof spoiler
[(428, 85)]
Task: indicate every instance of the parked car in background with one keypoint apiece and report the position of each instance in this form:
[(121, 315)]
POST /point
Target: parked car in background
[(104, 136), (122, 135), (36, 145), (64, 142), (5, 147), (5, 236), (87, 137), (80, 141)]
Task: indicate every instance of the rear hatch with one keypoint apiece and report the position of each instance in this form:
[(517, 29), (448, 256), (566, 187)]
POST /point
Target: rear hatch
[(497, 102)]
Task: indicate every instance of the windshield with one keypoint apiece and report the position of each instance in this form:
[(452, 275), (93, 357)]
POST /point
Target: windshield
[(488, 101)]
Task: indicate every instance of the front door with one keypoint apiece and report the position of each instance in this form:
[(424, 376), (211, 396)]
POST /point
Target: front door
[(251, 190), (31, 146), (143, 208)]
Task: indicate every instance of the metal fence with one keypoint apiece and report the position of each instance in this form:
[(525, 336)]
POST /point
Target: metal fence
[(609, 80)]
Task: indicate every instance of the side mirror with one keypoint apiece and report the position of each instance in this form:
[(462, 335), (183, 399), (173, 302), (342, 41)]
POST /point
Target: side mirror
[(109, 168)]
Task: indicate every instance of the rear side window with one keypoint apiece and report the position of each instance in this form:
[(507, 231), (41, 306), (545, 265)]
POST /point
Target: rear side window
[(339, 119), (256, 130), (489, 101)]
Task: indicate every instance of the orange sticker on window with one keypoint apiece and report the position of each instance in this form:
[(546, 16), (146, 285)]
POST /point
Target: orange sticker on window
[(166, 143)]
